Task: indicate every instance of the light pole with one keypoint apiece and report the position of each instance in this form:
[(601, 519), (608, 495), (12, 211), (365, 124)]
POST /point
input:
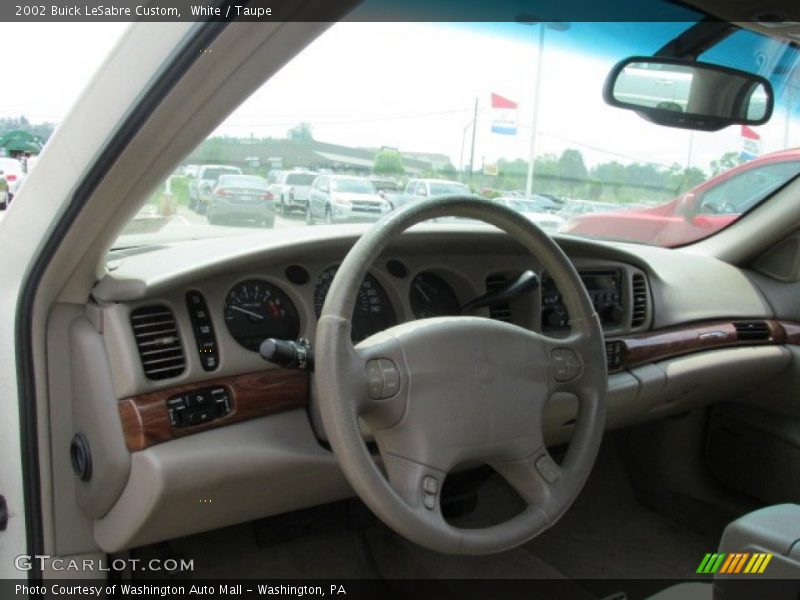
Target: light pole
[(543, 26), (474, 124)]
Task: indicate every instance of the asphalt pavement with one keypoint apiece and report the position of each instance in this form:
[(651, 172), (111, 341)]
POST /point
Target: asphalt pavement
[(186, 217)]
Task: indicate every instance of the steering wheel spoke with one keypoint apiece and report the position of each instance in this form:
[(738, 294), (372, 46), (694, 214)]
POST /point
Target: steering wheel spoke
[(535, 477), (419, 485)]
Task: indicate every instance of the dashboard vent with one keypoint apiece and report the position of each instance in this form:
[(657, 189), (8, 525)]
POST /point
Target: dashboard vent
[(157, 339), (639, 315), (502, 310), (752, 330)]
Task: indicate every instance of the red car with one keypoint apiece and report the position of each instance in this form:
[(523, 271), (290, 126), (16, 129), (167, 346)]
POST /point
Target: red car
[(698, 213)]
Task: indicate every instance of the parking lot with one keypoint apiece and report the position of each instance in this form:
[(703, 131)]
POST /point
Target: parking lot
[(189, 218)]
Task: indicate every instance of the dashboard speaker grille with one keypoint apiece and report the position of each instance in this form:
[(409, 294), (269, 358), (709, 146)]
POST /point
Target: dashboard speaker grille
[(752, 330), (639, 312), (501, 311), (158, 342)]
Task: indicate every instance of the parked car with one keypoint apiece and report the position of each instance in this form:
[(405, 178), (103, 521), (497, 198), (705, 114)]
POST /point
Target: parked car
[(557, 199), (191, 170), (241, 198), (418, 189), (291, 190), (701, 211), (544, 203), (533, 211), (200, 187), (13, 173), (385, 186), (574, 208), (4, 198), (340, 198)]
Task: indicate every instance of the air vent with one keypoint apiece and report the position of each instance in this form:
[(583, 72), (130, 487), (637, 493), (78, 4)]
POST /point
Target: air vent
[(639, 301), (502, 310), (157, 339), (752, 330)]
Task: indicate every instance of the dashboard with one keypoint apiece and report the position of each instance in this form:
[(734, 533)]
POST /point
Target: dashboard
[(172, 336), (255, 309), (220, 322)]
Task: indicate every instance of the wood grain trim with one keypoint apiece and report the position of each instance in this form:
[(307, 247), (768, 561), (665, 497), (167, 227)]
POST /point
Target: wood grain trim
[(792, 332), (145, 420), (669, 343)]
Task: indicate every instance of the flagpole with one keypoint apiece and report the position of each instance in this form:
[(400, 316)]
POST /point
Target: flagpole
[(474, 129)]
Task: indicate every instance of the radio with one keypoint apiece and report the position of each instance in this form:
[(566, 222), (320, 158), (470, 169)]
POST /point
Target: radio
[(605, 291)]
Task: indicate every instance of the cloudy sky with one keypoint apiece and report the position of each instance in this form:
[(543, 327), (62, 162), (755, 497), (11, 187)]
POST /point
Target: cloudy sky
[(410, 86), (46, 65)]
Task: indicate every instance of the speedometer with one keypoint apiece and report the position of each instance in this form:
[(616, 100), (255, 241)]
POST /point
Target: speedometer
[(432, 296), (373, 311), (256, 310)]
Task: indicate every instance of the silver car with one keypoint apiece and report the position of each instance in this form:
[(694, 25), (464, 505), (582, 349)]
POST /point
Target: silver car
[(344, 198), (241, 198)]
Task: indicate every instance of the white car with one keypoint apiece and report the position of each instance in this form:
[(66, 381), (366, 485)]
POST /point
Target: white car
[(200, 187), (344, 198), (530, 209), (14, 173), (419, 189), (291, 191)]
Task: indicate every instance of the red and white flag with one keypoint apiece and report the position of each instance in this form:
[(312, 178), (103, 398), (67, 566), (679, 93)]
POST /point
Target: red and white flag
[(504, 115), (751, 143)]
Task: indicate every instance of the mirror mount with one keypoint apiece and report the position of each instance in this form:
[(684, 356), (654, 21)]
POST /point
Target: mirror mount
[(677, 92)]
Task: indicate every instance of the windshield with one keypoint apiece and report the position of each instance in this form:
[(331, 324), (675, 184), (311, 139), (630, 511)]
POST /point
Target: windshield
[(510, 110), (352, 186)]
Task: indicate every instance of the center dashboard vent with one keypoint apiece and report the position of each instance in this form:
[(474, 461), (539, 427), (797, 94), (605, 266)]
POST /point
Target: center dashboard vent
[(639, 310), (158, 341), (502, 310), (752, 330)]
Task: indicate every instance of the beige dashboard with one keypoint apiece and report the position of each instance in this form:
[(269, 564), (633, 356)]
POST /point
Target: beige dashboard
[(261, 452)]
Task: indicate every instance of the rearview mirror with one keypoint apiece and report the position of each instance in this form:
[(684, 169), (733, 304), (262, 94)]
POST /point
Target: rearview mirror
[(688, 94)]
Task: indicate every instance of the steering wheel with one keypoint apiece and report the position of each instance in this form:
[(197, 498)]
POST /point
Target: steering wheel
[(441, 392)]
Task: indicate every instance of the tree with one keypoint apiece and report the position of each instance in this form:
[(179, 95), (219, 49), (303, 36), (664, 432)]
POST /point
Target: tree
[(448, 171), (388, 162), (302, 132), (688, 178), (572, 170), (725, 162)]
